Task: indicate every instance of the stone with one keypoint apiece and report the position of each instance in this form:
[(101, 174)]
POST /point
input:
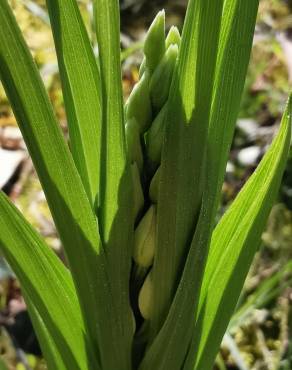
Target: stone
[(249, 156), (9, 161)]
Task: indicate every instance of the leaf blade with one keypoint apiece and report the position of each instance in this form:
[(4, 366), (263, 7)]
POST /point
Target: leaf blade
[(183, 153), (115, 212), (81, 89), (235, 241), (46, 282), (49, 349), (113, 133), (67, 199), (181, 181), (238, 29)]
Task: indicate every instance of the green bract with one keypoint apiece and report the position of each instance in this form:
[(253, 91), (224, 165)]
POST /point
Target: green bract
[(151, 282)]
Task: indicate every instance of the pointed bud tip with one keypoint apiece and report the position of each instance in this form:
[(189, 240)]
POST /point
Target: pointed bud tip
[(159, 20), (161, 13), (173, 37)]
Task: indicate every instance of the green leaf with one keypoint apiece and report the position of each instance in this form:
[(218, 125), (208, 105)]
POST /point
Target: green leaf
[(234, 243), (67, 199), (46, 282), (50, 351), (115, 212), (113, 154), (235, 44), (181, 185), (81, 89), (235, 41)]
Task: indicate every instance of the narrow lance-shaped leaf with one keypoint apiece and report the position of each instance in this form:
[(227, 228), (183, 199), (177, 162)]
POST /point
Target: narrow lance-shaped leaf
[(50, 351), (183, 154), (234, 45), (81, 89), (234, 51), (180, 182), (234, 243), (113, 135), (46, 282), (69, 204), (115, 202)]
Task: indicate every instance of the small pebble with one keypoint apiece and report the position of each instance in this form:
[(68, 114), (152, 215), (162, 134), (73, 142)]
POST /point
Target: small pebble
[(249, 156), (9, 161)]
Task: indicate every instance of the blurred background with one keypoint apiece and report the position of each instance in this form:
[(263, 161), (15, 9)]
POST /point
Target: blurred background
[(260, 334)]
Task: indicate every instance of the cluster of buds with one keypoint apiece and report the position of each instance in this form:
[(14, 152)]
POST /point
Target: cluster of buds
[(145, 113)]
